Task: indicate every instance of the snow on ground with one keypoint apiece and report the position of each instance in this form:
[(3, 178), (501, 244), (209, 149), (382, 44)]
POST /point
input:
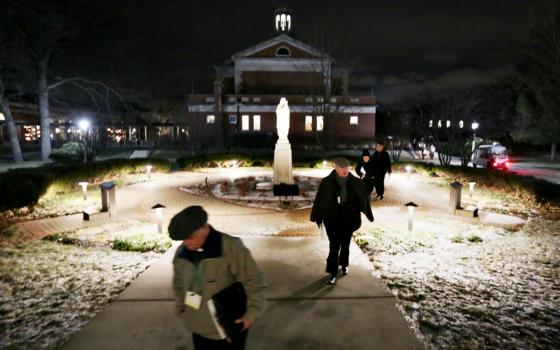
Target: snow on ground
[(473, 286), (49, 290)]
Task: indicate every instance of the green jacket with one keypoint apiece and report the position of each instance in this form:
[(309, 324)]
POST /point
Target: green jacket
[(225, 260)]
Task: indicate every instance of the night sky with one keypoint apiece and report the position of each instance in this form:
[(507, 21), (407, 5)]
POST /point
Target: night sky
[(397, 47)]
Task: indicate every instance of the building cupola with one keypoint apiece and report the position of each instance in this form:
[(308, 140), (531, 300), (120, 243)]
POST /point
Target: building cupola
[(282, 18)]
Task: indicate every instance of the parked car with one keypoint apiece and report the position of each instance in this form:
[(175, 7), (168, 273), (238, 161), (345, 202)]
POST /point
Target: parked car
[(493, 156)]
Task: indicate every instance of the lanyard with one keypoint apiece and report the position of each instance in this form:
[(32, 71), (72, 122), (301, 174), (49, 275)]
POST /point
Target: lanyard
[(196, 277)]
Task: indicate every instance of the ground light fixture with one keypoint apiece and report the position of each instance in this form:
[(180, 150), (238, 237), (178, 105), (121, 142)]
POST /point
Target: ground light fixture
[(411, 206), (159, 216), (408, 169), (149, 171), (471, 187), (84, 185)]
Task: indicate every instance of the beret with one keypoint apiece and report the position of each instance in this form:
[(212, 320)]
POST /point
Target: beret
[(188, 220), (341, 162)]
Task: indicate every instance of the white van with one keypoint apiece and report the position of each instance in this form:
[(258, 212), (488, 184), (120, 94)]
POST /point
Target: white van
[(491, 156)]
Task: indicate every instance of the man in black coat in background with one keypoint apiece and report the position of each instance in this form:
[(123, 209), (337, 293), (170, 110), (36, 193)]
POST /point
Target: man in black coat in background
[(366, 171), (340, 199), (382, 164)]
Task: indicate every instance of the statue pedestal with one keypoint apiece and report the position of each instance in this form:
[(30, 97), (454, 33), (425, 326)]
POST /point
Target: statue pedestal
[(283, 163)]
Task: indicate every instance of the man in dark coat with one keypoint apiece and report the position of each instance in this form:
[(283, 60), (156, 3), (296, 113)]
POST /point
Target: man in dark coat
[(382, 164), (366, 171), (340, 199)]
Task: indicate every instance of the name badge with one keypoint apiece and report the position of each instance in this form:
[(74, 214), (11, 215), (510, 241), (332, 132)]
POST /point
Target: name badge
[(193, 300)]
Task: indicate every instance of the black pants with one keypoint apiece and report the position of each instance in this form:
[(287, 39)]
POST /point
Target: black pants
[(238, 342), (369, 183), (380, 184), (339, 231)]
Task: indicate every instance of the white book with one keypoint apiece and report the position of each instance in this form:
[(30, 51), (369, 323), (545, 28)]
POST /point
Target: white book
[(214, 316)]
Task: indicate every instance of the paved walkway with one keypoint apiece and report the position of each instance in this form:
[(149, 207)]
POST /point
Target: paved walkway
[(302, 313)]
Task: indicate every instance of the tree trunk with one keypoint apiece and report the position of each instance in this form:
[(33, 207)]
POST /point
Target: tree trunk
[(12, 131), (553, 151), (43, 93)]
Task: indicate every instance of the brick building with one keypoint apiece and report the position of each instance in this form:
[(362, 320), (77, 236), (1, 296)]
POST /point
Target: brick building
[(249, 85)]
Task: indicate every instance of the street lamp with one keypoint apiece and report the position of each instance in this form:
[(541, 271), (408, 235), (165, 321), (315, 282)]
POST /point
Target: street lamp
[(84, 127), (84, 185), (159, 209), (474, 126)]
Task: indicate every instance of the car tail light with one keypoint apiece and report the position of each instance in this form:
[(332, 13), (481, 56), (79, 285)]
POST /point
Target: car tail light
[(495, 164), (508, 164)]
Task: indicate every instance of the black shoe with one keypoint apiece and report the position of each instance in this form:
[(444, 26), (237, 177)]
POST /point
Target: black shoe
[(344, 270), (332, 280)]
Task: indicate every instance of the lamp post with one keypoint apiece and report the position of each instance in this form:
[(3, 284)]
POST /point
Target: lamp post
[(84, 127), (474, 126), (411, 206), (84, 185), (149, 171), (159, 216)]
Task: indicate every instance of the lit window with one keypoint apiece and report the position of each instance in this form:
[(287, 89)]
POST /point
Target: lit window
[(354, 120), (256, 99), (461, 124), (244, 122), (448, 123), (320, 100), (354, 100), (431, 123), (256, 122), (439, 124), (244, 99), (320, 123), (210, 119), (308, 100), (209, 99), (308, 123), (2, 117), (232, 99), (232, 119), (333, 99)]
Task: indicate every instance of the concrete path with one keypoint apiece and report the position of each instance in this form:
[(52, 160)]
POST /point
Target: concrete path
[(302, 313)]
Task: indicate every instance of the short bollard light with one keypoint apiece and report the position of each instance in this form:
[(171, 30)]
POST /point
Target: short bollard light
[(324, 164), (84, 185), (411, 206), (159, 216), (408, 169), (149, 171), (471, 187)]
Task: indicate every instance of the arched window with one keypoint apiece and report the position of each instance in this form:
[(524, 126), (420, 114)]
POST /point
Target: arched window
[(283, 51)]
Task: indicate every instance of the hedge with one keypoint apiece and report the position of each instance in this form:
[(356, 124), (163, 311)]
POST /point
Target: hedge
[(24, 187)]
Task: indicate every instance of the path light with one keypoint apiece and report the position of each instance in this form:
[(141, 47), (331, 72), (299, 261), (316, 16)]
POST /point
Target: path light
[(324, 164), (149, 171), (408, 169), (471, 187), (84, 185), (411, 206), (159, 216)]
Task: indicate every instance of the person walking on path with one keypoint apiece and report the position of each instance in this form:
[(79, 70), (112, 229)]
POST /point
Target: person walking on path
[(366, 171), (206, 263), (340, 199), (382, 164)]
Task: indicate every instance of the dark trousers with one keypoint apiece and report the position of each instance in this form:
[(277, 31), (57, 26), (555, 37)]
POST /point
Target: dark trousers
[(339, 247), (380, 184), (237, 342), (369, 183)]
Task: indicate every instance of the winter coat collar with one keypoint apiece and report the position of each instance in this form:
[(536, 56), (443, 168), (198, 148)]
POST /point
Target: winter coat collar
[(212, 248)]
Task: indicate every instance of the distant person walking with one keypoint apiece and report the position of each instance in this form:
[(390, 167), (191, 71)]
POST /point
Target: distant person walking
[(366, 171), (340, 199), (206, 263), (382, 164)]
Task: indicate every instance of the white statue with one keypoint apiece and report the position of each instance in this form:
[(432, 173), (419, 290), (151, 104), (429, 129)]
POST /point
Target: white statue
[(283, 119)]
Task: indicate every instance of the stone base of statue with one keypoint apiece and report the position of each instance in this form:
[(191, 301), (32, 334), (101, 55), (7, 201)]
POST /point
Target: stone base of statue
[(283, 163)]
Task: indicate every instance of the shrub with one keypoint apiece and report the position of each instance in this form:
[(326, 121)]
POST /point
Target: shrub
[(474, 239), (69, 152), (24, 187)]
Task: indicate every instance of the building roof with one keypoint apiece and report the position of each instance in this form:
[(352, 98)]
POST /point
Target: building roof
[(282, 38)]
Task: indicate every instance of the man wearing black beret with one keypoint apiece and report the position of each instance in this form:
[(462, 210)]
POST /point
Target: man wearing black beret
[(340, 199), (206, 263)]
